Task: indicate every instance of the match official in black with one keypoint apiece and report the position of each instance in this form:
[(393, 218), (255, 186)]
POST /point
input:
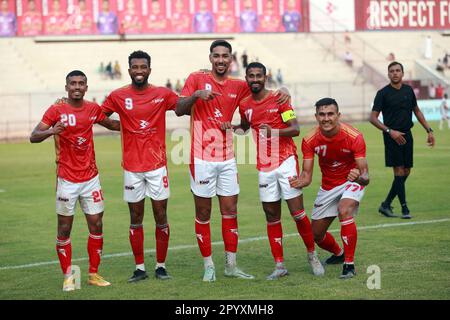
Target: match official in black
[(397, 102)]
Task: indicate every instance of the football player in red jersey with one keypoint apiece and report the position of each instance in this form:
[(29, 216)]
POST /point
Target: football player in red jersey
[(142, 109), (342, 159), (71, 122), (273, 126), (211, 98)]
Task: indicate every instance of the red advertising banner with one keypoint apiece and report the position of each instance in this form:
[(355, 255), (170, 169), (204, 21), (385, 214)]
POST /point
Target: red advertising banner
[(180, 17), (105, 16), (29, 17), (155, 16), (8, 22), (54, 16), (292, 15), (130, 17), (402, 14), (269, 16), (80, 18), (225, 16)]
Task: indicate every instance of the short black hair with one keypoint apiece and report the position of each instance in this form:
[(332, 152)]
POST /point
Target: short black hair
[(222, 43), (256, 65), (394, 63), (75, 73), (139, 55), (326, 102)]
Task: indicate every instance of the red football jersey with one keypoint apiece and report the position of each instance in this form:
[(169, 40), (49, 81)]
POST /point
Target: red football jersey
[(75, 156), (270, 152), (336, 155), (208, 141), (143, 125)]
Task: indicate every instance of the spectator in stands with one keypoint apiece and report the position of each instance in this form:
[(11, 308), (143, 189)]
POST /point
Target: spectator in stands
[(439, 91), (440, 66), (347, 38), (178, 86), (107, 22), (445, 60), (203, 21), (279, 77), (169, 84), (117, 72), (7, 20), (444, 113), (31, 22), (109, 70), (431, 90), (348, 58), (270, 81), (234, 68), (390, 57), (244, 59)]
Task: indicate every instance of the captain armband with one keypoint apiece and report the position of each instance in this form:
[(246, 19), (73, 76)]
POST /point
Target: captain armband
[(288, 115)]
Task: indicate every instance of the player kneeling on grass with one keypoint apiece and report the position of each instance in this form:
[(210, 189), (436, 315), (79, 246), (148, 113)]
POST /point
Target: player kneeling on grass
[(71, 122), (342, 159), (273, 126)]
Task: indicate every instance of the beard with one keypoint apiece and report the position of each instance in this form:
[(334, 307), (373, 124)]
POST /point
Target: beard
[(141, 83)]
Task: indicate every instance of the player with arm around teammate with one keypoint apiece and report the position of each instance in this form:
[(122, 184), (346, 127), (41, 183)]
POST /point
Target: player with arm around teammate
[(211, 98), (274, 126), (342, 159), (142, 109), (71, 122)]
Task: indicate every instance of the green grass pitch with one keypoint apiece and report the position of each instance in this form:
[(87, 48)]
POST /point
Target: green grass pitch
[(414, 259)]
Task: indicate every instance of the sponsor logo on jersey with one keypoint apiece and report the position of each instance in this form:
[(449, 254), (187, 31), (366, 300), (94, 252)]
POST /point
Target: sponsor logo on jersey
[(93, 118), (232, 95), (264, 185), (208, 86), (272, 110), (144, 124), (336, 164), (129, 187), (63, 199), (217, 113), (158, 100), (81, 140), (346, 150), (318, 205), (203, 182)]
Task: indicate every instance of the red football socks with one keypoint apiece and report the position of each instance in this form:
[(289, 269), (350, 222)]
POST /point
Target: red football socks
[(137, 243), (349, 237), (64, 251), (162, 234), (94, 247), (275, 235), (230, 232), (329, 243), (203, 233), (304, 229)]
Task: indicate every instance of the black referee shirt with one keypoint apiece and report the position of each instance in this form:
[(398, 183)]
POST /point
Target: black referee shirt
[(396, 106)]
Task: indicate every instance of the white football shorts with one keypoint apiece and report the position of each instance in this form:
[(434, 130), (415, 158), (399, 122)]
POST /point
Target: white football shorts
[(89, 193), (327, 201), (274, 185), (214, 178), (153, 184)]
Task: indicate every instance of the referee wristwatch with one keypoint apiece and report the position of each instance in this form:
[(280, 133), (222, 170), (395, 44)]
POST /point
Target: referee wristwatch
[(387, 130)]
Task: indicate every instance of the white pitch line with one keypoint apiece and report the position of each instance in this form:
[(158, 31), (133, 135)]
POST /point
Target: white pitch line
[(124, 254)]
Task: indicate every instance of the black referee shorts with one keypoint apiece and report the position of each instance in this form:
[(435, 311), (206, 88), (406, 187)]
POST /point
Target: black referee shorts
[(396, 155)]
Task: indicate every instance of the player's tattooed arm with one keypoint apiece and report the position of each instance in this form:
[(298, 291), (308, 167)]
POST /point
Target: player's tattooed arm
[(293, 129), (305, 177), (42, 131), (184, 104), (360, 174), (110, 124)]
